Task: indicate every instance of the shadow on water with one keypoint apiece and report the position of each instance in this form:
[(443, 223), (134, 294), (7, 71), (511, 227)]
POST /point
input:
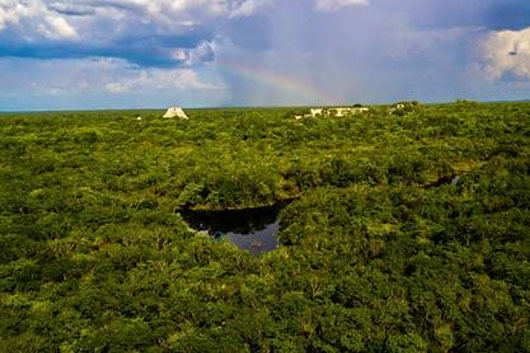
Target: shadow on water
[(250, 229)]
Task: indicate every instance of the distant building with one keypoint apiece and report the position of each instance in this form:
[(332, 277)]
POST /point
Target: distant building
[(403, 107), (316, 112), (176, 112), (340, 112), (336, 112), (360, 110)]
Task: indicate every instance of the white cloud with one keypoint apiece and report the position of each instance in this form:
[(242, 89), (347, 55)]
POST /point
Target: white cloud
[(57, 28), (53, 14), (160, 80), (100, 75), (247, 8), (102, 83), (171, 13), (508, 52), (189, 57), (333, 5), (34, 19)]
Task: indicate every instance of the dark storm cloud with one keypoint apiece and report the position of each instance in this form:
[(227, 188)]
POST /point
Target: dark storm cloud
[(489, 14), (148, 33), (143, 50)]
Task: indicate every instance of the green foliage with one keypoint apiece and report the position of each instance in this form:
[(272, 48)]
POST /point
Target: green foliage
[(383, 250)]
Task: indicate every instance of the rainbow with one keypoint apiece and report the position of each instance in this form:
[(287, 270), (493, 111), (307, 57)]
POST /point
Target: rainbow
[(281, 82)]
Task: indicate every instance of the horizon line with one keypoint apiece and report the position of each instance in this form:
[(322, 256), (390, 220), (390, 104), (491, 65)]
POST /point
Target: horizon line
[(248, 106)]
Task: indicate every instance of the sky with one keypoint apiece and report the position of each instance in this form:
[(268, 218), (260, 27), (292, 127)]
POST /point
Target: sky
[(112, 54)]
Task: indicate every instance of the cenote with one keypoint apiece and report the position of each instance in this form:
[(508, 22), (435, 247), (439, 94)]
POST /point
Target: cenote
[(250, 229)]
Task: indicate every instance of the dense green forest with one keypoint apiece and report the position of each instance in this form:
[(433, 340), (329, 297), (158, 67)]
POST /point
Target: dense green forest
[(409, 231)]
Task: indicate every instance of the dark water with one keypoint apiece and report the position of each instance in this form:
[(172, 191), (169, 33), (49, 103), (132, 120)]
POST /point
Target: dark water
[(250, 229)]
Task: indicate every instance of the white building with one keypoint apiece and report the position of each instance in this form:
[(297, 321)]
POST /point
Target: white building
[(316, 112), (176, 112)]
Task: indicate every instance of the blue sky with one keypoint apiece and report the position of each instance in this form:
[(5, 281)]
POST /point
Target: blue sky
[(95, 54)]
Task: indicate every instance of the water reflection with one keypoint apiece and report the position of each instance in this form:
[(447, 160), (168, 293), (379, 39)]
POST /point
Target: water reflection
[(250, 229)]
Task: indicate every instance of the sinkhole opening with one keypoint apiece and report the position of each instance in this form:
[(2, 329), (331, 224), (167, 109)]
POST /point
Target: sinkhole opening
[(252, 229)]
